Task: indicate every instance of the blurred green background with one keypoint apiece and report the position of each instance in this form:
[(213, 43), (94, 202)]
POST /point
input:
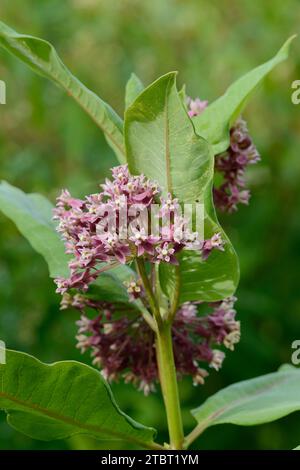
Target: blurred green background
[(46, 143)]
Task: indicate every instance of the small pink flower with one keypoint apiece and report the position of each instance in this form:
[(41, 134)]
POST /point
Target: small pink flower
[(196, 106), (134, 289), (215, 242), (165, 253)]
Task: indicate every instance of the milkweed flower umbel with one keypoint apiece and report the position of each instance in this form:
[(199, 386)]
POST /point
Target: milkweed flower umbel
[(231, 164), (112, 227), (121, 341), (122, 344)]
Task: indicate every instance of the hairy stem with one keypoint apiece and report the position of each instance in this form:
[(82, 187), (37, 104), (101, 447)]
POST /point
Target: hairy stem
[(168, 381)]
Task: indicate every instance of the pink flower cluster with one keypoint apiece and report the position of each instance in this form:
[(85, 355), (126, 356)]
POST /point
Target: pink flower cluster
[(195, 337), (231, 164), (111, 227), (123, 345)]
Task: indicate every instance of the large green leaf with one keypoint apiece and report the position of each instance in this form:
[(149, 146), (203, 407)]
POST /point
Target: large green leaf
[(41, 56), (32, 214), (161, 143), (134, 87), (252, 402), (56, 401), (214, 123)]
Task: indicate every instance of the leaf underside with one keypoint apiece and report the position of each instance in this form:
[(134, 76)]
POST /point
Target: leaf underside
[(32, 214), (56, 401), (255, 401)]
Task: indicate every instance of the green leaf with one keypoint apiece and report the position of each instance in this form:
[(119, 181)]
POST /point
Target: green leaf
[(182, 95), (32, 214), (161, 143), (195, 279), (41, 56), (110, 284), (214, 123), (134, 88), (60, 400), (252, 402), (297, 448)]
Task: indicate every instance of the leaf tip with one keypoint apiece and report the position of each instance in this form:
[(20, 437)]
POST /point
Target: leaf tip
[(286, 46)]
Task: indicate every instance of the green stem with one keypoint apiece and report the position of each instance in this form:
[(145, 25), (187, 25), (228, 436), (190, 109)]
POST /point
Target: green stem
[(175, 300), (147, 315), (190, 438), (148, 289), (168, 381), (165, 362)]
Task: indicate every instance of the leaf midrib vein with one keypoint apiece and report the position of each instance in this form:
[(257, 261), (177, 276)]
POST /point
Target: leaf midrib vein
[(71, 421), (167, 141)]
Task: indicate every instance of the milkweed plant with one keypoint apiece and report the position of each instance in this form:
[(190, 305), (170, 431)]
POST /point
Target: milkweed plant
[(146, 264)]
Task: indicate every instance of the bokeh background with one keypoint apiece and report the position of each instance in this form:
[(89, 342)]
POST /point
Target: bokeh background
[(46, 142)]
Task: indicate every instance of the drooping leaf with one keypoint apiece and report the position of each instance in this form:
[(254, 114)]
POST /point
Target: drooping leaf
[(161, 143), (215, 121), (56, 401), (41, 56), (32, 214), (253, 401), (134, 87)]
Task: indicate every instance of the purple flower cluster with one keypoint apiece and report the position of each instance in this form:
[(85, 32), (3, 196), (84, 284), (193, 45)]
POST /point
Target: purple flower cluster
[(111, 227), (195, 337), (123, 345), (231, 164)]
